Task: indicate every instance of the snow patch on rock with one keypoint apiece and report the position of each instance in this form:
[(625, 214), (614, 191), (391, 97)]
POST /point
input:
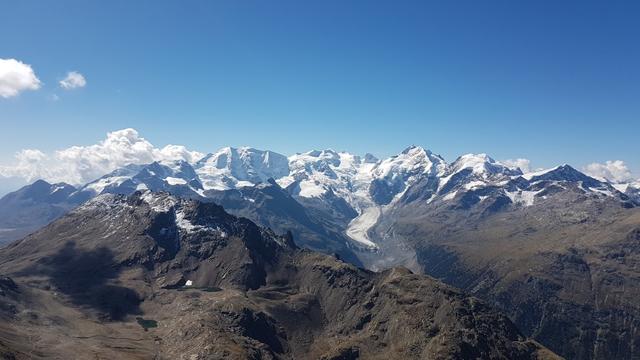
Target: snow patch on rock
[(175, 181), (522, 197), (160, 203), (188, 227)]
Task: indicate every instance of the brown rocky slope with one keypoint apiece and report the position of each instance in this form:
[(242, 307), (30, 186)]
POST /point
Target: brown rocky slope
[(153, 277), (565, 269)]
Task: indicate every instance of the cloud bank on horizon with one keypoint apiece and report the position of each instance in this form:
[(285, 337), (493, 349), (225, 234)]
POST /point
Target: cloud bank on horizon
[(78, 165), (615, 171)]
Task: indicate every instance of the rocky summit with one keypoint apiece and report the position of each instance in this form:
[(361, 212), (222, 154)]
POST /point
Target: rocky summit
[(155, 276)]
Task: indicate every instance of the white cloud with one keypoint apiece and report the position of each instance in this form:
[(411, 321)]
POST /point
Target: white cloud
[(81, 164), (522, 164), (615, 171), (30, 163), (73, 80), (15, 77)]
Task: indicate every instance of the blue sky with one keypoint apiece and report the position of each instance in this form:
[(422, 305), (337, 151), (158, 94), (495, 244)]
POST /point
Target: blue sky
[(554, 82)]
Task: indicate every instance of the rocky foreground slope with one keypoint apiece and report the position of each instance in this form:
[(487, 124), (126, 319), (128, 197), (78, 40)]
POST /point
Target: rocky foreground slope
[(151, 276)]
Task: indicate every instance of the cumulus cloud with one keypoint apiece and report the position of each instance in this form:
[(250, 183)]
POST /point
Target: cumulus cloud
[(80, 164), (615, 171), (522, 164), (15, 77), (29, 164), (73, 80)]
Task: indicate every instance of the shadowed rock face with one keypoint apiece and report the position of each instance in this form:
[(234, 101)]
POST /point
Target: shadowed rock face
[(219, 287), (271, 206), (84, 277)]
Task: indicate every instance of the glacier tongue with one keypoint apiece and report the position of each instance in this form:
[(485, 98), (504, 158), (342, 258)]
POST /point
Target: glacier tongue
[(365, 183), (358, 228)]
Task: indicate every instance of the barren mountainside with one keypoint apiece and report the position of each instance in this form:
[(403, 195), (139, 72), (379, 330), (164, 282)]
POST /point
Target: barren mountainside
[(565, 269), (154, 276)]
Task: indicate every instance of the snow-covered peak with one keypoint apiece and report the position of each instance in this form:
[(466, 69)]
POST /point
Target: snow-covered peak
[(177, 176), (569, 179), (473, 171), (414, 149), (567, 174), (314, 173), (393, 176), (623, 188), (631, 189), (537, 173), (177, 166), (627, 186), (359, 180), (473, 178), (318, 160), (230, 168), (370, 158), (165, 169), (112, 179), (562, 173), (477, 162), (481, 164), (323, 161), (351, 185), (414, 160)]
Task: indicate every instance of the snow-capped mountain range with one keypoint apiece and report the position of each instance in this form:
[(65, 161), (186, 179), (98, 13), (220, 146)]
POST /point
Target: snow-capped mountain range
[(497, 232), (366, 184), (360, 188)]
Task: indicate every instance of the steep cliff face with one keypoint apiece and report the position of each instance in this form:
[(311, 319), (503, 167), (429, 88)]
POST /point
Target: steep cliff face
[(153, 276)]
